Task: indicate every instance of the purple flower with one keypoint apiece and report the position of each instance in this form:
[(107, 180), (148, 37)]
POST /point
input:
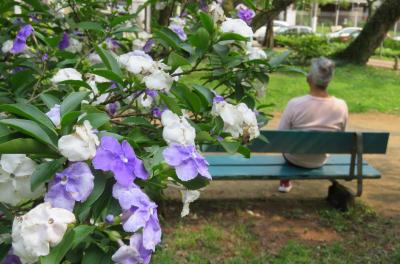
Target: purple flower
[(112, 108), (34, 18), (187, 161), (64, 42), (135, 253), (112, 43), (20, 41), (219, 138), (218, 99), (120, 159), (157, 112), (75, 183), (179, 31), (203, 5), (150, 92), (18, 69), (148, 45), (55, 114), (11, 259), (45, 57), (246, 14), (138, 212), (110, 219)]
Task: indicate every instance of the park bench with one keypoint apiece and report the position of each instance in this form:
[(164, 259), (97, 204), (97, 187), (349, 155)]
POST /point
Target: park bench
[(339, 166)]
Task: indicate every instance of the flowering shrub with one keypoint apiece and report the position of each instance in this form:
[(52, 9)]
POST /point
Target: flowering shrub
[(99, 116)]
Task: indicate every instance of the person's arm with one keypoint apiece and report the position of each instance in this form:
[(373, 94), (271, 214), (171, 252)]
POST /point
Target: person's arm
[(346, 117), (286, 118)]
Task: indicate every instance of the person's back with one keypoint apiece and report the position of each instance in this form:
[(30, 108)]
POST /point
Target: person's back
[(315, 111)]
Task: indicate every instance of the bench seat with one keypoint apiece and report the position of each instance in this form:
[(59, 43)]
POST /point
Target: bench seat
[(268, 167)]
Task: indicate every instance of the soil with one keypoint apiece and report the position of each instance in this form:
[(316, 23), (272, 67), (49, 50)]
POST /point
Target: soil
[(383, 195)]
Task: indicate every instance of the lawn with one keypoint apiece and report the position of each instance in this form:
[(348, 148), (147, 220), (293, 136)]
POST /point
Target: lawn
[(259, 232), (363, 88)]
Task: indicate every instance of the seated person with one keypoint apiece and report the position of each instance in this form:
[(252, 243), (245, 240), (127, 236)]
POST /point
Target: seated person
[(315, 111)]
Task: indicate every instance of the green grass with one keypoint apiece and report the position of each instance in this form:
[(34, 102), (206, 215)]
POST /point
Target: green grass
[(226, 234), (363, 88)]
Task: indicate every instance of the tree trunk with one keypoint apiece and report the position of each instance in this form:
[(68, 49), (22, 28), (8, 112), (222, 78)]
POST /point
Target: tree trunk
[(370, 5), (270, 14), (269, 34), (373, 34)]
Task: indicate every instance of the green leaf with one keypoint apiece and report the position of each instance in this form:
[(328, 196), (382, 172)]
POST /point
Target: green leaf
[(109, 60), (32, 129), (27, 146), (68, 121), (49, 100), (45, 171), (230, 146), (137, 120), (29, 111), (72, 102), (278, 60), (200, 39), (4, 248), (175, 60), (250, 4), (81, 233), (171, 103), (97, 119), (95, 255), (188, 97), (232, 36), (132, 29), (244, 151), (76, 83), (207, 22), (88, 25), (167, 38), (205, 93), (109, 75), (58, 252)]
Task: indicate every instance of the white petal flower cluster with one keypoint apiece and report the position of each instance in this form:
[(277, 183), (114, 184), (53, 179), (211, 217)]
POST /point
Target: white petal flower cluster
[(238, 26), (145, 100), (75, 46), (7, 46), (94, 58), (177, 129), (15, 179), (188, 196), (238, 120), (41, 228), (140, 41), (138, 62), (93, 79), (256, 53), (80, 145), (217, 12), (66, 74)]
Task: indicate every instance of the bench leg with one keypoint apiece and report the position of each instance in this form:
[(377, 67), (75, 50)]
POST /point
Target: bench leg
[(340, 197)]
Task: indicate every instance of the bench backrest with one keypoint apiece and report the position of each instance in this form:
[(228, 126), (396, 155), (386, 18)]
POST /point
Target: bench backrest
[(314, 142)]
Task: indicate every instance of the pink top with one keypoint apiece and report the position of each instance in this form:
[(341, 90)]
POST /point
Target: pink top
[(313, 113)]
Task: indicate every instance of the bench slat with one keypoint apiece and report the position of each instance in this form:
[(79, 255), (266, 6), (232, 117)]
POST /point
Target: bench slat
[(224, 172), (267, 160)]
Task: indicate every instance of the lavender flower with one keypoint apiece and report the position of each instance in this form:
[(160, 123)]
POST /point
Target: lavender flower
[(135, 253), (45, 57), (75, 183), (110, 219), (150, 92), (18, 69), (64, 42), (120, 159), (11, 259), (246, 14), (179, 31), (148, 45), (203, 5), (20, 41), (112, 108), (55, 115), (138, 212), (218, 99), (157, 111), (112, 43), (187, 161)]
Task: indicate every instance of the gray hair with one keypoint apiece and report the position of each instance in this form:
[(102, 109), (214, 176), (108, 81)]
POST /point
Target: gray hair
[(321, 71)]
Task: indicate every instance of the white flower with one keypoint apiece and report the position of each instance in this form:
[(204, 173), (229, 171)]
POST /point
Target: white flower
[(237, 26), (177, 21), (41, 228), (256, 53), (15, 179), (75, 46), (230, 115), (7, 46), (145, 100), (216, 11), (55, 115), (188, 196), (158, 80), (177, 129), (249, 121), (136, 62), (66, 74), (160, 5), (80, 145), (93, 79), (94, 58)]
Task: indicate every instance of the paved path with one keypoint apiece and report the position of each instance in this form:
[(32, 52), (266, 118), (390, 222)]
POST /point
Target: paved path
[(383, 194), (388, 64)]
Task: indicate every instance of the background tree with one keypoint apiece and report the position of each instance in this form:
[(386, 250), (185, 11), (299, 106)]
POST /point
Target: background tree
[(373, 34)]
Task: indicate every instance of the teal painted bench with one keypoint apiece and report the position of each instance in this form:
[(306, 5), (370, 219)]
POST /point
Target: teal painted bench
[(345, 163)]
